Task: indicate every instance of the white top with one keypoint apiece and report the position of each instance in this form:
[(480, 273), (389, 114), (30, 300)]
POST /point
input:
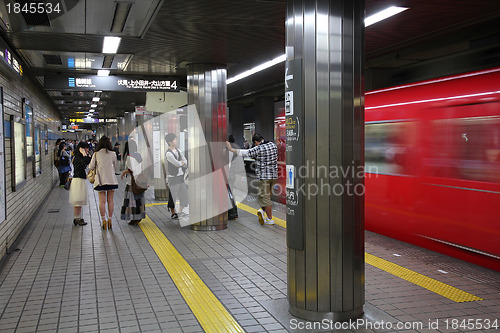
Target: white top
[(106, 161), (172, 159), (134, 166)]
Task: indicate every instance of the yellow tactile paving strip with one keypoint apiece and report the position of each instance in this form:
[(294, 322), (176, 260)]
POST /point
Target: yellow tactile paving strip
[(211, 314), (428, 283), (278, 221)]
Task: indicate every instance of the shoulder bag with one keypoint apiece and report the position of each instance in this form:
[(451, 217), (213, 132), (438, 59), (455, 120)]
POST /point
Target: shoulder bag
[(92, 173)]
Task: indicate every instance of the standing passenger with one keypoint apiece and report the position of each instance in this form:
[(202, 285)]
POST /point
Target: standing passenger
[(134, 205), (64, 164), (265, 154), (104, 161), (78, 189), (176, 167)]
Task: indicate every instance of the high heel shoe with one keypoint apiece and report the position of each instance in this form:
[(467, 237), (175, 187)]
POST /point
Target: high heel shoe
[(109, 224), (104, 224)]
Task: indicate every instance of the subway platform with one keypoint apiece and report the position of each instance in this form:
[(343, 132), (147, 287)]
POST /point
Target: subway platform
[(159, 277)]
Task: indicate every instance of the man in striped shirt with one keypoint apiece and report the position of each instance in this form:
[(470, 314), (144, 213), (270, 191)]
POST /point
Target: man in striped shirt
[(265, 154)]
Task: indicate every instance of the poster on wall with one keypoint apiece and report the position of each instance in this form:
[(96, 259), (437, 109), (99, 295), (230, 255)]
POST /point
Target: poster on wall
[(28, 114), (3, 206)]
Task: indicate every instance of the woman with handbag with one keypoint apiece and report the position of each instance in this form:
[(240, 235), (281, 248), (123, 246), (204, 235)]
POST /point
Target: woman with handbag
[(105, 183), (134, 203), (78, 188)]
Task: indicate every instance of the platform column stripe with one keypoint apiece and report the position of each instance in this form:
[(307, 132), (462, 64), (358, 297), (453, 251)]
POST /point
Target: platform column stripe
[(211, 314), (428, 283), (431, 284)]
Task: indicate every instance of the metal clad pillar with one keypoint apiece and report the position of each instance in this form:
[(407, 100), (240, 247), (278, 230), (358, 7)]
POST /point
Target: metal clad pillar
[(207, 91), (324, 109)]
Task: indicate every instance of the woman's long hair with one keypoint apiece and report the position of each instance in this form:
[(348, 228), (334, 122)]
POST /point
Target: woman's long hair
[(104, 143), (83, 145)]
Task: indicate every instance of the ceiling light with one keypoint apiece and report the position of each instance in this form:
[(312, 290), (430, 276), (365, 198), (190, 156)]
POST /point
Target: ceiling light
[(382, 15), (256, 69), (96, 99), (93, 106), (97, 91), (110, 44), (103, 72)]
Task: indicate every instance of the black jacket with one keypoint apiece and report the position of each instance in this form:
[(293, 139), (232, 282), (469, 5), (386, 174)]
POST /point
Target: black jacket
[(80, 163)]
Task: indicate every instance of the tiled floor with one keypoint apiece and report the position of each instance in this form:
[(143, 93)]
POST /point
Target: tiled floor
[(84, 279)]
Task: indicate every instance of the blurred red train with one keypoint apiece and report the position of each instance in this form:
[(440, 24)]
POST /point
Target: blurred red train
[(432, 157)]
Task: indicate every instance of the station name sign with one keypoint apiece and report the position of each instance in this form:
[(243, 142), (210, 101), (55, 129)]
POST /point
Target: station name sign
[(111, 83)]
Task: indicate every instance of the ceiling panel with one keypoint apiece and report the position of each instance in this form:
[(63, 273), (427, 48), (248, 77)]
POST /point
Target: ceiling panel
[(162, 37)]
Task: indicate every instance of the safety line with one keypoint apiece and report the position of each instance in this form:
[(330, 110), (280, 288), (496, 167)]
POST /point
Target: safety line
[(209, 311), (278, 221), (421, 280)]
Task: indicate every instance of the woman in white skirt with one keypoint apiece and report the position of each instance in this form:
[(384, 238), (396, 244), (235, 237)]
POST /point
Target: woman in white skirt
[(78, 189)]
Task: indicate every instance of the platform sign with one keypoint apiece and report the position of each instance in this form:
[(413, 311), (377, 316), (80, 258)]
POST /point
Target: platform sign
[(294, 120), (111, 83)]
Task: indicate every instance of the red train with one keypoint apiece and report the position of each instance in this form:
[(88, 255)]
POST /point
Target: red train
[(432, 155), (436, 148)]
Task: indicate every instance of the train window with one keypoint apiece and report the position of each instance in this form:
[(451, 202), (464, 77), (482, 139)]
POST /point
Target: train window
[(465, 148), (478, 148), (388, 147)]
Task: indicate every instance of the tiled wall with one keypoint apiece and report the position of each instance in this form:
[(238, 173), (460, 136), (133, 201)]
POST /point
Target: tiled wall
[(22, 204)]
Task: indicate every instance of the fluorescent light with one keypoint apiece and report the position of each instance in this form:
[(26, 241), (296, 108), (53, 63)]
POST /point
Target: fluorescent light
[(110, 44), (96, 99), (103, 72), (382, 15), (256, 69), (97, 91), (93, 106)]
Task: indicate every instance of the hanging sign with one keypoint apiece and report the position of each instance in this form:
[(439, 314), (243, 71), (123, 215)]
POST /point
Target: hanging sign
[(110, 83)]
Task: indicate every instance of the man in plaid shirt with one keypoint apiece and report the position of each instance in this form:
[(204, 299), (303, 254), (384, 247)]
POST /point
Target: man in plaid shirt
[(265, 154)]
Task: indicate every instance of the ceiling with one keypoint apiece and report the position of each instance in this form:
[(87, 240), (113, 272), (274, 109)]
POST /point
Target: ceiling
[(160, 37)]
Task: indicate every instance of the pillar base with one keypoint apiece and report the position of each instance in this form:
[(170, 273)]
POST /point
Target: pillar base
[(208, 227), (319, 316)]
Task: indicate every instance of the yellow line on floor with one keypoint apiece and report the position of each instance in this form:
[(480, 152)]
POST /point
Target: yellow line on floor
[(156, 204), (278, 221), (209, 311), (421, 280)]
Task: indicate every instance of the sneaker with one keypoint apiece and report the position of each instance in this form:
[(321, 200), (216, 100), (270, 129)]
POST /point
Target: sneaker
[(269, 221), (175, 216), (260, 214)]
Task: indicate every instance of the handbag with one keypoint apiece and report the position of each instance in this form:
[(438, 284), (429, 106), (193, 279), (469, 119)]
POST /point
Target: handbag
[(67, 185), (92, 173), (138, 187)]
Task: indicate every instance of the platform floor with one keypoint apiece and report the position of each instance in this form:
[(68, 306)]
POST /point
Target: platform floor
[(159, 277)]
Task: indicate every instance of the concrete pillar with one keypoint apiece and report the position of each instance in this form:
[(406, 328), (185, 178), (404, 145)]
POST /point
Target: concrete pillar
[(324, 109), (264, 122), (207, 199)]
